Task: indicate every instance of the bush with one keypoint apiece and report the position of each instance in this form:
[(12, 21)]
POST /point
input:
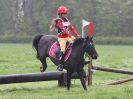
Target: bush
[(15, 39), (114, 40)]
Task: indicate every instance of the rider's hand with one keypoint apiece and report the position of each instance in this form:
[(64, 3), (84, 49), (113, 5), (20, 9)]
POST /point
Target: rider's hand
[(78, 36)]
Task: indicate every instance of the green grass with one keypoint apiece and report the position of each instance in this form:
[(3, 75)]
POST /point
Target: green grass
[(20, 58)]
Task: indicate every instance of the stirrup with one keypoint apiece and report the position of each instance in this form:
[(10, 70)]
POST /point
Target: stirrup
[(60, 68)]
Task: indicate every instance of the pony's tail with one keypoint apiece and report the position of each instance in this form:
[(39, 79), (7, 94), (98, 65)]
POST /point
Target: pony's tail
[(35, 44)]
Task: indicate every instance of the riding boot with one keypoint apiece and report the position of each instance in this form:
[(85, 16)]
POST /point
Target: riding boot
[(61, 61)]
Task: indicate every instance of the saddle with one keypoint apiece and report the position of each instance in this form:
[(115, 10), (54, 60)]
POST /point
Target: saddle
[(55, 50)]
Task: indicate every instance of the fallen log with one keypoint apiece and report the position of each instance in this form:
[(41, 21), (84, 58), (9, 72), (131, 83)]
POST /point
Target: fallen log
[(120, 81)]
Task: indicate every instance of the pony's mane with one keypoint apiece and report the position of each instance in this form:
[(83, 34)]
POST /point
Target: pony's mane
[(77, 42)]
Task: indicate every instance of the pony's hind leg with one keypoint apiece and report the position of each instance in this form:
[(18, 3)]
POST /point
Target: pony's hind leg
[(44, 64)]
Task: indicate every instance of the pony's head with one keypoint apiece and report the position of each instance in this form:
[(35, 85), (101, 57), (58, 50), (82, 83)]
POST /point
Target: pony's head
[(90, 47), (87, 45)]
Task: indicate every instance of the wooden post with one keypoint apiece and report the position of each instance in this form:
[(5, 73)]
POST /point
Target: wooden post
[(90, 72)]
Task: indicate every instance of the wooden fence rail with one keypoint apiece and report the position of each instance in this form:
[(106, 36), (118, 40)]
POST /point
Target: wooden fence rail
[(113, 70)]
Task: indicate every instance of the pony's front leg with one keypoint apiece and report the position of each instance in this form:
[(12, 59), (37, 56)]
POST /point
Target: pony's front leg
[(69, 74), (81, 76)]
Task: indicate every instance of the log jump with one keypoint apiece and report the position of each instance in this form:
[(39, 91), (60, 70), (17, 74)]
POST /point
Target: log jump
[(30, 77), (61, 76)]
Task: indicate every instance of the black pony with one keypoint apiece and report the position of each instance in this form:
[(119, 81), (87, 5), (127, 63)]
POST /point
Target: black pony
[(75, 63)]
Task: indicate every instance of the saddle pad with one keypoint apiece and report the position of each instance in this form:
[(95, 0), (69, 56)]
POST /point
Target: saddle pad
[(55, 47)]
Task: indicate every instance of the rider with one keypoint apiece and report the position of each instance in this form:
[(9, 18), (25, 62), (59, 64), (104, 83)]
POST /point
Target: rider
[(63, 26)]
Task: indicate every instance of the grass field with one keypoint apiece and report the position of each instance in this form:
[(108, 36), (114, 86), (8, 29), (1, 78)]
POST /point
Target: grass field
[(20, 58)]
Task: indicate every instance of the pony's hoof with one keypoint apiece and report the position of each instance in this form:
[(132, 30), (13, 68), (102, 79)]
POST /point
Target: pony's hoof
[(85, 89), (41, 69), (68, 88)]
